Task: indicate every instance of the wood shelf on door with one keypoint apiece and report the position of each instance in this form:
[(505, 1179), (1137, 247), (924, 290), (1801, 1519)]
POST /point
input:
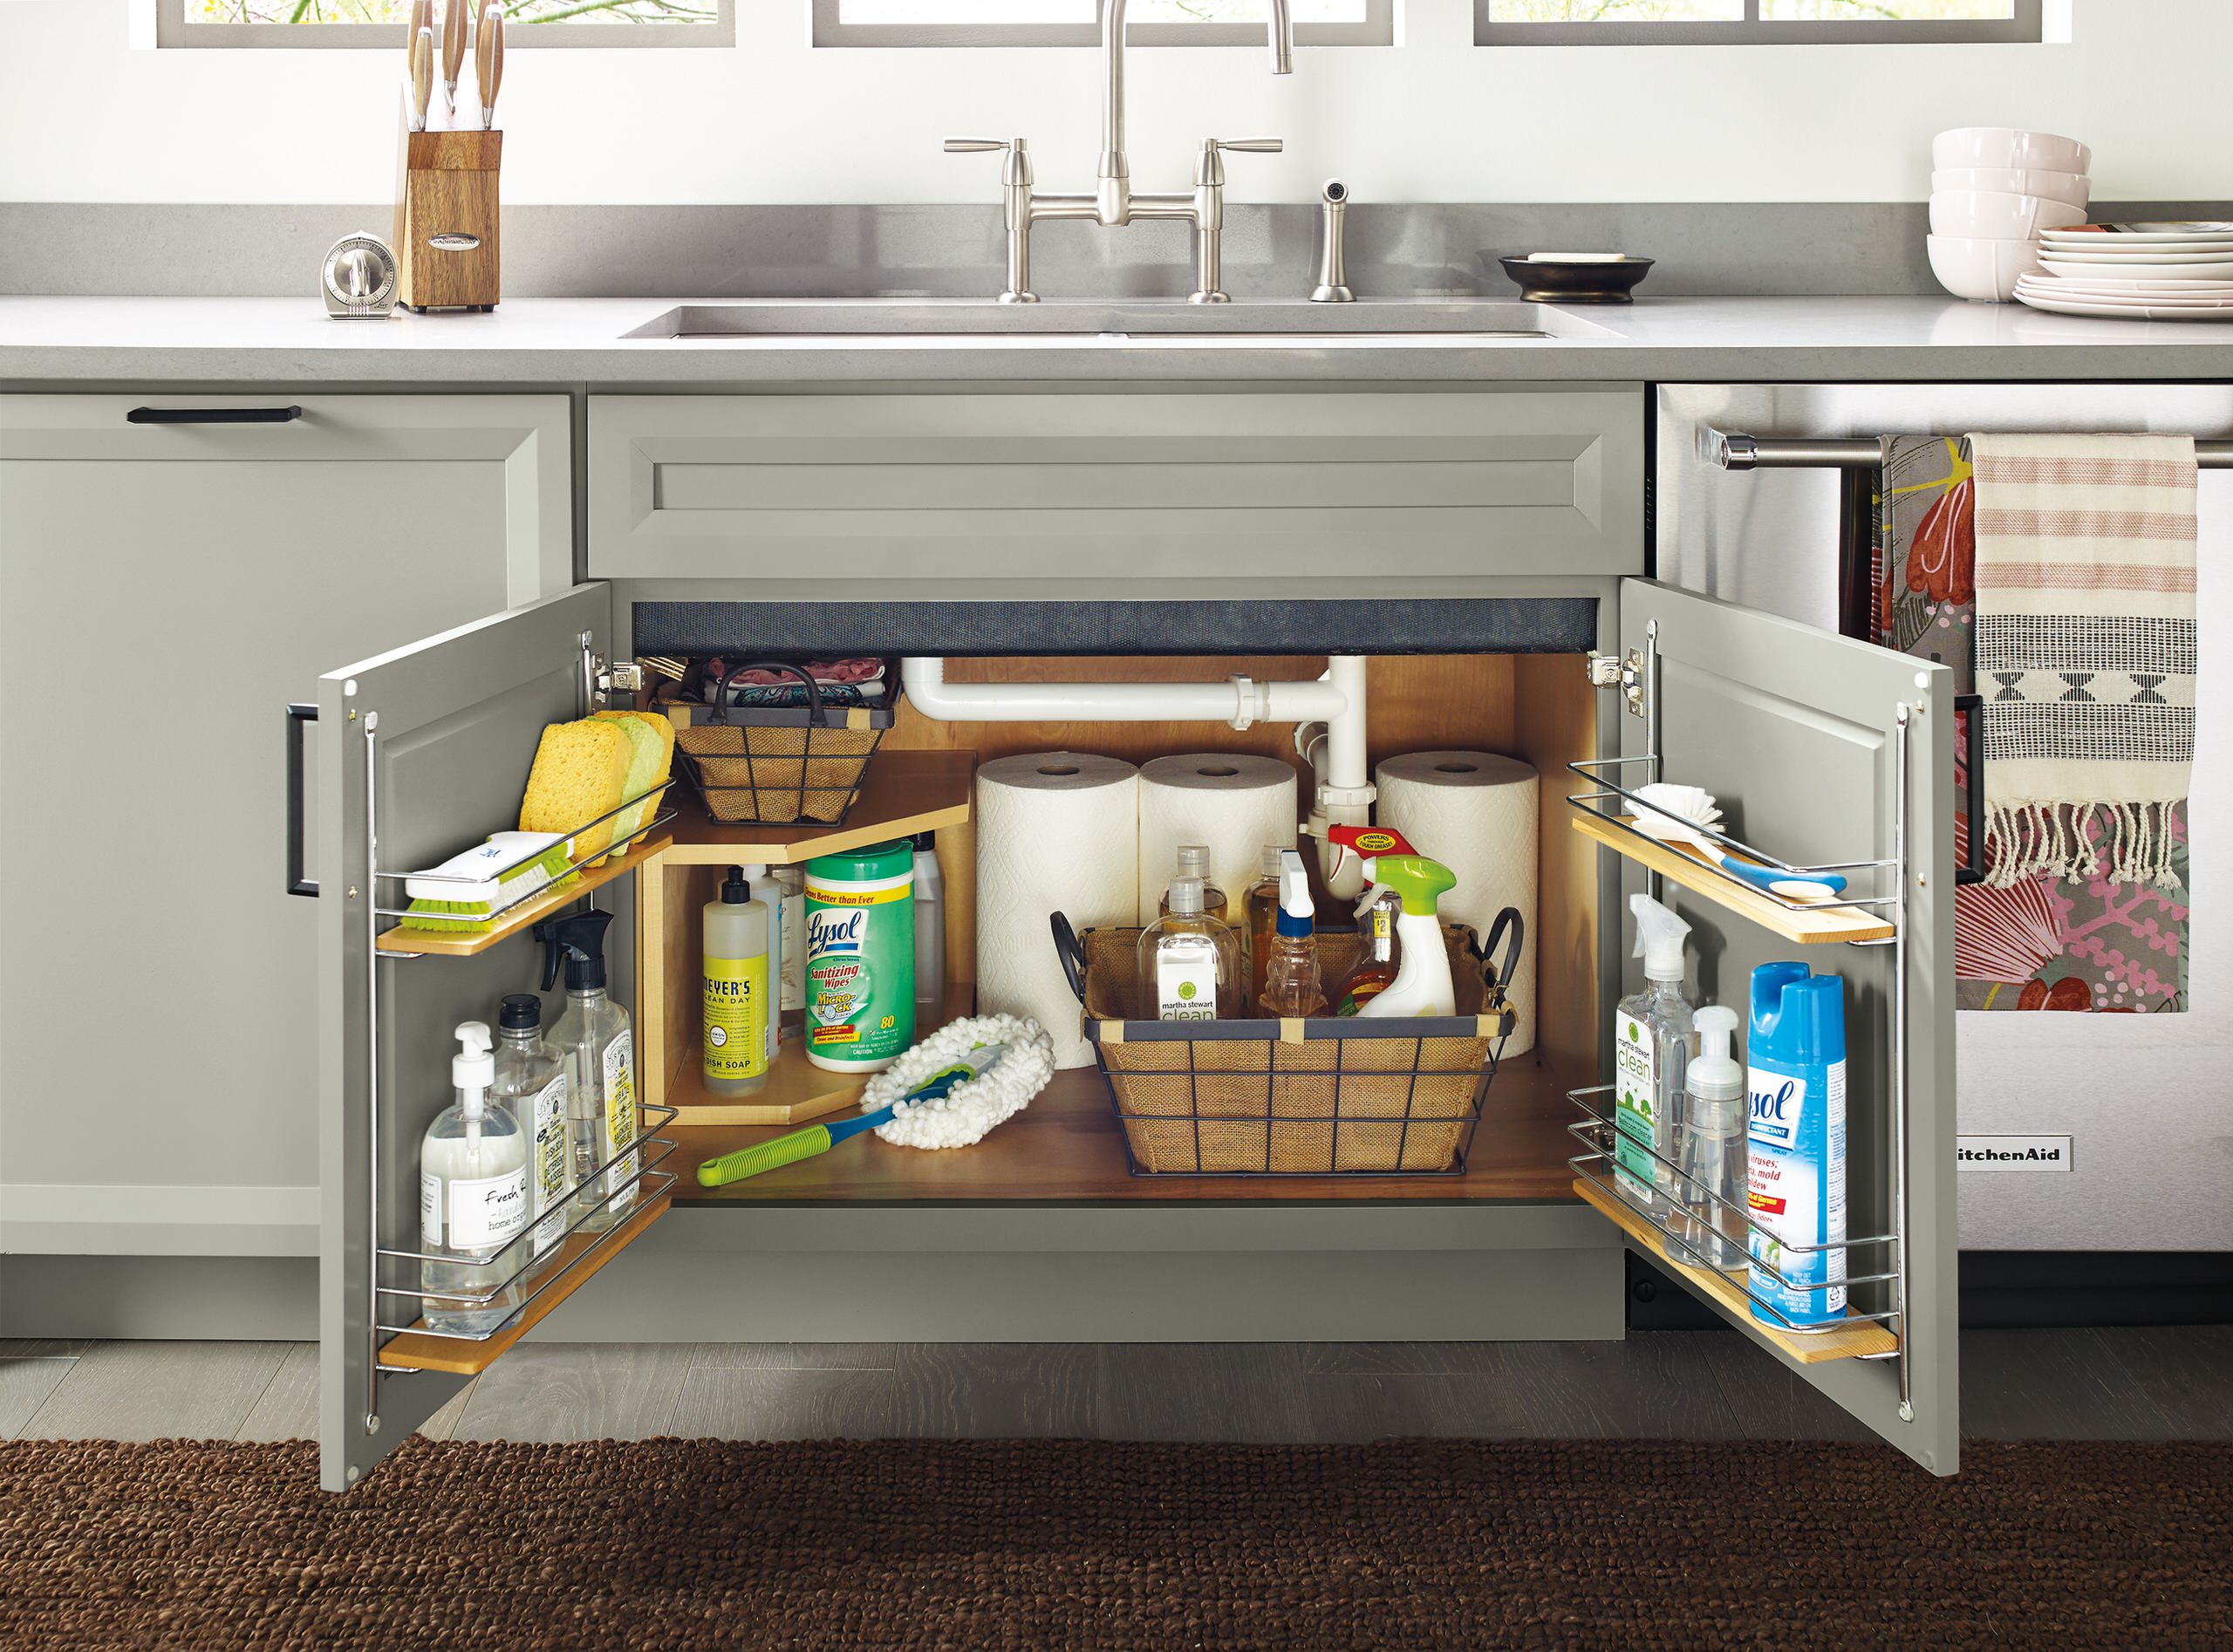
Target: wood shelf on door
[(424, 1351), (1854, 1340), (1815, 926), (447, 944)]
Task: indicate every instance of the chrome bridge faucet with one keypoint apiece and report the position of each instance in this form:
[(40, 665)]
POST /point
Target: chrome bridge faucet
[(1113, 202)]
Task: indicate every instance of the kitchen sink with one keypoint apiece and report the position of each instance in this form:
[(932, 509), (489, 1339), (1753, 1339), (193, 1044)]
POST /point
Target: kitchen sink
[(934, 321)]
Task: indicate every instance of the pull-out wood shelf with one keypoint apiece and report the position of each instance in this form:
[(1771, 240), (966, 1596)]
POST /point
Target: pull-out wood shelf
[(1814, 926), (1857, 1338)]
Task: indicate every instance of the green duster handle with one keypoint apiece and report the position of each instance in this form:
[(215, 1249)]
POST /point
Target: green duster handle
[(765, 1156)]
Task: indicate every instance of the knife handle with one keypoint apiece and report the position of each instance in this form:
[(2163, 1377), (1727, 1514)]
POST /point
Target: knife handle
[(453, 21), (422, 77), (489, 61), (422, 16)]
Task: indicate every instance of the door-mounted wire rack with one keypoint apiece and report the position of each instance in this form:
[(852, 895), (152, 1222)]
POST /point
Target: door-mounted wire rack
[(1639, 675), (523, 1255), (1602, 1139)]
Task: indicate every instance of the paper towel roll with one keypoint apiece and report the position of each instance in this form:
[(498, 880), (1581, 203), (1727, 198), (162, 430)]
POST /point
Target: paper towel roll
[(1476, 813), (1233, 803), (1056, 832)]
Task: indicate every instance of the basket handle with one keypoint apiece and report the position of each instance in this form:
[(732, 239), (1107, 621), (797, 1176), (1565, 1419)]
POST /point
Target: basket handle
[(1499, 973), (813, 688), (1071, 954)]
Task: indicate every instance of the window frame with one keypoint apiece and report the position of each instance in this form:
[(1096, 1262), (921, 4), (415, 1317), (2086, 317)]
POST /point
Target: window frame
[(173, 32), (1378, 29), (2027, 27)]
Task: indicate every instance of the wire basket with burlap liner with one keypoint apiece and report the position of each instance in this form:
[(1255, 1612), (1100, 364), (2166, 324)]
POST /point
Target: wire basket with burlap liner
[(776, 764), (1340, 1094)]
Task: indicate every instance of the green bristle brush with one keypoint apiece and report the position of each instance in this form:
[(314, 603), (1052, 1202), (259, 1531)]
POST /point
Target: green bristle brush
[(465, 894)]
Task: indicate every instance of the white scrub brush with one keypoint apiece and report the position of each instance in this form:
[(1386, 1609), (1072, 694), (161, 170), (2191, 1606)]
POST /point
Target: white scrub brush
[(1677, 814)]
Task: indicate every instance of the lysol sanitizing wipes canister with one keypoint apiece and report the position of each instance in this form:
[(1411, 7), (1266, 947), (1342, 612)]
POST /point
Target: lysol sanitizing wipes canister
[(1795, 1139), (860, 957)]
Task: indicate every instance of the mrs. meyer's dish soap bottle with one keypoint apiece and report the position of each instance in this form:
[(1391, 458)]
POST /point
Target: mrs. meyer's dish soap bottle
[(472, 1197), (1795, 1169), (1653, 1037), (599, 1048)]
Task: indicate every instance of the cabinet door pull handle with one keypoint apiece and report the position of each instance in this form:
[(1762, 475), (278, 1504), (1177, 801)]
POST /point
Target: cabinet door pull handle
[(297, 716), (1973, 705), (213, 415)]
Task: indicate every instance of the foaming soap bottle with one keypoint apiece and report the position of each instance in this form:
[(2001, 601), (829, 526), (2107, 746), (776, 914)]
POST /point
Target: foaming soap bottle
[(1795, 1144), (1654, 1035)]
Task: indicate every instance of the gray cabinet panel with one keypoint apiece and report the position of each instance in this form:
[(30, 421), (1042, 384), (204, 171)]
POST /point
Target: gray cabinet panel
[(1068, 486), (427, 750), (1796, 733), (164, 589)]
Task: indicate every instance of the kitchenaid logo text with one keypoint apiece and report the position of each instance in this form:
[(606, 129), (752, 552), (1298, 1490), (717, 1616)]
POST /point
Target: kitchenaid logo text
[(2013, 1152), (1776, 1110), (835, 931)]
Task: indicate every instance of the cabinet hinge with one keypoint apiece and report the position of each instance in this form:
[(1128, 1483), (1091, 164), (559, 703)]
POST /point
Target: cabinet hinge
[(1623, 671)]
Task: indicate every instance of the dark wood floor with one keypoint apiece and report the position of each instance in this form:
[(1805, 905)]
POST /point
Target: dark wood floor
[(2158, 1383)]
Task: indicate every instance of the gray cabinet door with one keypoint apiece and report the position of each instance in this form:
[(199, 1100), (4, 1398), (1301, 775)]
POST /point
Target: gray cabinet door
[(1039, 491), (427, 751), (1825, 751), (164, 589)]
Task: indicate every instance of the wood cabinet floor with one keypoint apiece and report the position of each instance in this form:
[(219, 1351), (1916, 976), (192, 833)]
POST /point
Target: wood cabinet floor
[(2158, 1382)]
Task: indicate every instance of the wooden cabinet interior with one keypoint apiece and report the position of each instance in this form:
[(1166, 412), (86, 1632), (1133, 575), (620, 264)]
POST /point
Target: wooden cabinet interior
[(1538, 707)]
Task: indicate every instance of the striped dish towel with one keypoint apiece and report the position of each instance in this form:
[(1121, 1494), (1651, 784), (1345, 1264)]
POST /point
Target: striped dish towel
[(2084, 650)]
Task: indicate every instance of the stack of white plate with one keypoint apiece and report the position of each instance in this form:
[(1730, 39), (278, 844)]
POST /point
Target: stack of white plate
[(2147, 271), (1994, 191)]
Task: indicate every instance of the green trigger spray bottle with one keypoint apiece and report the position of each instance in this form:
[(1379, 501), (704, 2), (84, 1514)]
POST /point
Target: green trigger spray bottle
[(1422, 984)]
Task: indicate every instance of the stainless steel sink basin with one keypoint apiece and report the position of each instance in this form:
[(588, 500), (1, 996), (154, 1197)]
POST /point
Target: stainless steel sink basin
[(1163, 322)]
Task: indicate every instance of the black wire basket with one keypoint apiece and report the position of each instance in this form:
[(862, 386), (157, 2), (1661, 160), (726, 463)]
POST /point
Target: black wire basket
[(776, 764), (1336, 1096)]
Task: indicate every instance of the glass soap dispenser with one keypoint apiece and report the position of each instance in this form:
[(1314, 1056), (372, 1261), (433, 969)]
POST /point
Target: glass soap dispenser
[(472, 1196), (1189, 960)]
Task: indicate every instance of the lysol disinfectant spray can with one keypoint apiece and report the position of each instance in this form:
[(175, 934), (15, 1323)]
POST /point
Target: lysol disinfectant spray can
[(1795, 1160), (860, 957)]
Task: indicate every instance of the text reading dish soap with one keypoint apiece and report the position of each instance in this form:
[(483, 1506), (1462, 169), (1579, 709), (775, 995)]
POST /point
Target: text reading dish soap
[(740, 1025), (1795, 1139)]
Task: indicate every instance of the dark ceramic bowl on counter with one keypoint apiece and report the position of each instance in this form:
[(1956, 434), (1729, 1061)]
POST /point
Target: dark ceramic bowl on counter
[(1595, 281)]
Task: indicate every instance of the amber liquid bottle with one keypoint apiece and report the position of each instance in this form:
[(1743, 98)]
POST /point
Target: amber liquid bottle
[(1373, 975), (1259, 914)]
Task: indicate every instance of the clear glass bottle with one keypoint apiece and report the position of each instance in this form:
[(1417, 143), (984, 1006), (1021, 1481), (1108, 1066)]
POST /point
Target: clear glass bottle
[(1189, 960), (1194, 863), (1375, 973), (1259, 909), (594, 1036), (531, 1085), (1714, 1150), (473, 1198), (1654, 1035), (1292, 985)]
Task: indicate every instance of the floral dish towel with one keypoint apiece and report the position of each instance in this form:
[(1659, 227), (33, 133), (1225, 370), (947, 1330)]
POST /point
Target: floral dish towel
[(2086, 943)]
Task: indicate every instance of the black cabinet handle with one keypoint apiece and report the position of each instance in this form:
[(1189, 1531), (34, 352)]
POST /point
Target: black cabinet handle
[(297, 716), (213, 415), (1974, 706)]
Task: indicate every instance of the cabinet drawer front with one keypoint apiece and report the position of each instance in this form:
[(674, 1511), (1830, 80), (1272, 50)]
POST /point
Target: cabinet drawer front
[(1320, 484)]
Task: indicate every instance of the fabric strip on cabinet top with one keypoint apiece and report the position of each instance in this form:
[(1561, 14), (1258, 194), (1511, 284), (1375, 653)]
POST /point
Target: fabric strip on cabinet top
[(2085, 907)]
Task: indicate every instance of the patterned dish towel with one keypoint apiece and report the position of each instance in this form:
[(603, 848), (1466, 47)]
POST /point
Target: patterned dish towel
[(2046, 942), (2085, 651)]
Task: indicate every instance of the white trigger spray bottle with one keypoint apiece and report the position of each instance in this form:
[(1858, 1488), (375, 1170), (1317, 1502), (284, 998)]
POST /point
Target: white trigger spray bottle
[(1654, 1034), (1422, 984)]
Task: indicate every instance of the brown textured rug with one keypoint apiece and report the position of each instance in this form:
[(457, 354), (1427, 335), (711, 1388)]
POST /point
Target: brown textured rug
[(1042, 1544)]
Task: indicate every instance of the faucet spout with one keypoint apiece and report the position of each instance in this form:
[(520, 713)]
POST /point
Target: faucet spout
[(1113, 164), (1280, 28)]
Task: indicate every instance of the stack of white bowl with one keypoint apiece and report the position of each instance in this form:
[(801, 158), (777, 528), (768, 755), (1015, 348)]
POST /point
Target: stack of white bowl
[(1993, 190)]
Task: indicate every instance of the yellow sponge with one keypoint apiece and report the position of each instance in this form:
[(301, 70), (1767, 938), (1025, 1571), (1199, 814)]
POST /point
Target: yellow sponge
[(581, 772)]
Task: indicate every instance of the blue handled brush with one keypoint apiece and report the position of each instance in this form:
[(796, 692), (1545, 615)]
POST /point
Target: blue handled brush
[(817, 1139)]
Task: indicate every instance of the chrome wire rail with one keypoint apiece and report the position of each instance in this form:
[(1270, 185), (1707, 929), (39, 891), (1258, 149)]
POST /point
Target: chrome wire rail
[(1732, 451), (619, 846)]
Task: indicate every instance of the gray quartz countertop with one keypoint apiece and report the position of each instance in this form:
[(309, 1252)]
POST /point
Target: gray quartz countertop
[(622, 343)]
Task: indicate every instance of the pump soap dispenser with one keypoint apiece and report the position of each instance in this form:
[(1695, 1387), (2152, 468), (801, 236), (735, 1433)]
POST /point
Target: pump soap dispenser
[(1712, 1224), (472, 1197)]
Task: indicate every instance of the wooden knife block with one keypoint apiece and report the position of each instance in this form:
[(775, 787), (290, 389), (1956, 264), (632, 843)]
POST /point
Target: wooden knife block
[(446, 242)]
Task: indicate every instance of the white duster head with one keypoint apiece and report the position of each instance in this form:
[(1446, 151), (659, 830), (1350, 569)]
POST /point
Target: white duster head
[(967, 1114)]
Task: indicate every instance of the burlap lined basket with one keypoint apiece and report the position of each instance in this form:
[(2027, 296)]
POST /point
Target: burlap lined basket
[(776, 764), (1295, 1098)]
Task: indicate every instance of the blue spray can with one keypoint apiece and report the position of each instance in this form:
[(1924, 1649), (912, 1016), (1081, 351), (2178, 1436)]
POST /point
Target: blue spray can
[(1795, 1136)]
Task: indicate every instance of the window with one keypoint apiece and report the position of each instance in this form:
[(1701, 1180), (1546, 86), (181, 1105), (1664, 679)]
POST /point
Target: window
[(380, 23), (1569, 23), (1077, 23)]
